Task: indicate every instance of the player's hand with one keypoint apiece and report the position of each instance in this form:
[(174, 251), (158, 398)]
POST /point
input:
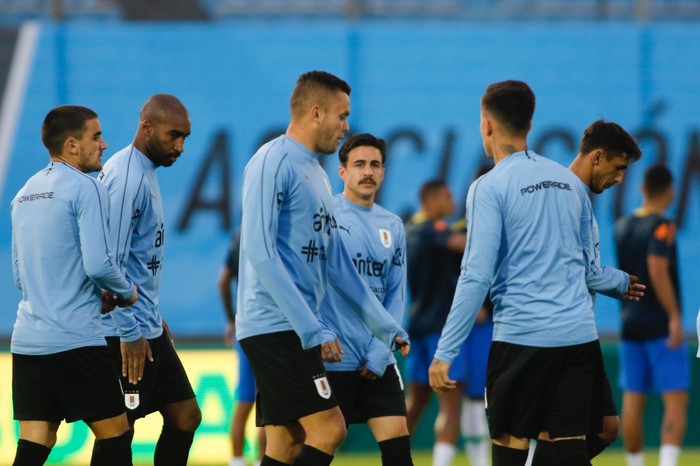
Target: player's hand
[(675, 332), (168, 333), (366, 373), (634, 290), (134, 354), (109, 302), (403, 345), (130, 301), (331, 351), (230, 333), (439, 378)]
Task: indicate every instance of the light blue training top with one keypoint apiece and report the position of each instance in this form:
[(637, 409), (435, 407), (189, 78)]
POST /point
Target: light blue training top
[(61, 259), (137, 228), (529, 242), (290, 250), (376, 241)]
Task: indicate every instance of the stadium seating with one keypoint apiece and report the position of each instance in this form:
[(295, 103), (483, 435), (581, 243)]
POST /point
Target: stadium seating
[(15, 11)]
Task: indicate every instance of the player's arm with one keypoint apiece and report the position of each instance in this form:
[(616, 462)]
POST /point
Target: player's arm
[(15, 263), (343, 277), (97, 256), (228, 273), (225, 278), (602, 279), (660, 279), (477, 271), (377, 357), (264, 193), (127, 196)]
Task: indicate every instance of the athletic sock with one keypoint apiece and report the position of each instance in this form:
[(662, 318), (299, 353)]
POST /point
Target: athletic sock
[(113, 451), (173, 447), (396, 451), (595, 445), (669, 454), (267, 461), (443, 454), (236, 461), (570, 452), (635, 459), (30, 453), (545, 454), (310, 456), (504, 456)]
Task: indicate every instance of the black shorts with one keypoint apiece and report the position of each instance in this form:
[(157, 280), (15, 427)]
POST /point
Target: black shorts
[(164, 380), (291, 382), (79, 384), (361, 399), (532, 389)]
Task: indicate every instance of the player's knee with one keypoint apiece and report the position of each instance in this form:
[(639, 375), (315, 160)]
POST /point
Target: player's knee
[(190, 418), (337, 433)]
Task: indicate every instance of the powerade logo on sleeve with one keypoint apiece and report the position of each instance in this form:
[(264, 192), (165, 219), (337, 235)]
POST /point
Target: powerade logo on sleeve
[(545, 185), (35, 197)]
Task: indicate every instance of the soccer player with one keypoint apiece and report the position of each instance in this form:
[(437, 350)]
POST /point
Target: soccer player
[(138, 231), (431, 248), (605, 152), (653, 351), (245, 399), (527, 242), (367, 383), (61, 258), (290, 251)]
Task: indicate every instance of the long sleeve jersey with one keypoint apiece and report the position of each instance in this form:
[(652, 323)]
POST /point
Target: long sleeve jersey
[(526, 242), (61, 259), (599, 278), (376, 241), (290, 250), (137, 228)]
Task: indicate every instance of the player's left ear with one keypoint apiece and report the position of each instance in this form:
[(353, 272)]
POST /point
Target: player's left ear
[(598, 155)]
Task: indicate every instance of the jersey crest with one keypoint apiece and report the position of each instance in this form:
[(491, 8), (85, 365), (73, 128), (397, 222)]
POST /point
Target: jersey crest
[(323, 387), (385, 237), (131, 400)]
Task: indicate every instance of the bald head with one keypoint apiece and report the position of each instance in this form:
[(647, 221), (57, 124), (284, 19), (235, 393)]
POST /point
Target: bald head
[(162, 106), (164, 124)]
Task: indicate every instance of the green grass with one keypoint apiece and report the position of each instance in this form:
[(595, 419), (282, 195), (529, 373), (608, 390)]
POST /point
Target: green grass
[(613, 457)]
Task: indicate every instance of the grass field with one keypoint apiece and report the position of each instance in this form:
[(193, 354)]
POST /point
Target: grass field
[(615, 457)]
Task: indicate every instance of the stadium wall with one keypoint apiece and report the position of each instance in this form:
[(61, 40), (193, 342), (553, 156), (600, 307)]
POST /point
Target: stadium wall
[(417, 84)]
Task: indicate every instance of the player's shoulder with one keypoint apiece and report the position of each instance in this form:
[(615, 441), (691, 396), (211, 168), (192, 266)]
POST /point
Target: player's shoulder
[(122, 162), (382, 212), (271, 154)]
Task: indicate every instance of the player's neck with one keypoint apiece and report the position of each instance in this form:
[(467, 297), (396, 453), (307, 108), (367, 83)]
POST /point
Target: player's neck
[(653, 206), (369, 202)]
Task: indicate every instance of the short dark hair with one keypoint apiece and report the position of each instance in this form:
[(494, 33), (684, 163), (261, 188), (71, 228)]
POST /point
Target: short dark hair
[(612, 138), (512, 103), (63, 122), (430, 187), (312, 83), (657, 179), (358, 140)]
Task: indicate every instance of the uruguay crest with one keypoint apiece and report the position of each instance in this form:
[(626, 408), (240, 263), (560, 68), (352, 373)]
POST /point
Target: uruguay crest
[(385, 237), (322, 387), (131, 400)]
